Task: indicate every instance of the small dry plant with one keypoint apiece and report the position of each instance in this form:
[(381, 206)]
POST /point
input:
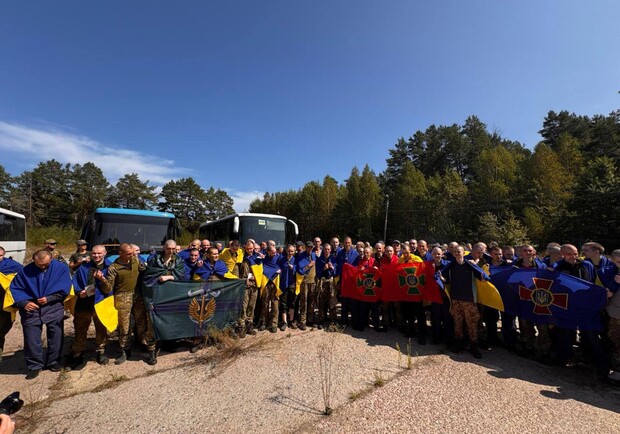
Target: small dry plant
[(379, 380), (325, 355)]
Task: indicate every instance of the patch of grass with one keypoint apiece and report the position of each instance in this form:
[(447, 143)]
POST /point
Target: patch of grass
[(399, 354), (353, 396), (36, 236), (229, 348), (118, 378), (334, 328), (379, 381)]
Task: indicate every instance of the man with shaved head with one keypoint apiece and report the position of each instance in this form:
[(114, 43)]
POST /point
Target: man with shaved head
[(573, 265), (122, 278), (184, 254)]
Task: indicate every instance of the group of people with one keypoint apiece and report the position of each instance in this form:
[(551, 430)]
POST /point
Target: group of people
[(299, 286)]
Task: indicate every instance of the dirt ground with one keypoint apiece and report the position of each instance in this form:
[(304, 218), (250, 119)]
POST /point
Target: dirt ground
[(274, 382)]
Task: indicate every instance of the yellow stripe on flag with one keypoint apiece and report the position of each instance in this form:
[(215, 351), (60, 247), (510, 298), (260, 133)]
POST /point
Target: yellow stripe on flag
[(70, 301), (107, 313), (488, 295), (257, 270), (7, 305), (298, 281)]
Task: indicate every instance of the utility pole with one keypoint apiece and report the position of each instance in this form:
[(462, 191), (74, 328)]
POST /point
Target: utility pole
[(387, 207)]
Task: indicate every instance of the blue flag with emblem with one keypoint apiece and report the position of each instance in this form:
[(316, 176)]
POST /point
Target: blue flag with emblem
[(182, 309), (550, 297)]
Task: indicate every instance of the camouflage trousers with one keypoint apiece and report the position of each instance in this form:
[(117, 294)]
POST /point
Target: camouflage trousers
[(307, 302), (326, 298), (81, 323), (269, 311), (127, 306), (465, 312), (614, 336), (250, 296)]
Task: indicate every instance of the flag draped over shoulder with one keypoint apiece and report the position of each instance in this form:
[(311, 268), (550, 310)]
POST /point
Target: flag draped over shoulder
[(409, 282), (550, 297), (181, 309), (8, 270), (104, 303), (256, 265), (230, 259), (271, 273), (28, 284), (364, 285)]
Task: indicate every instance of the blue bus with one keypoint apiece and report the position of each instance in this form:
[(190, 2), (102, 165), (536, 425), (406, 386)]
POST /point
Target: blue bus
[(113, 226)]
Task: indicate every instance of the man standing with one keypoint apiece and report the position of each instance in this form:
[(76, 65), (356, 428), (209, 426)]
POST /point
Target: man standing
[(306, 268), (50, 246), (413, 310), (38, 290), (460, 275), (528, 334), (232, 257), (246, 318), (123, 278), (347, 255), (441, 320), (160, 268), (8, 269), (326, 289), (184, 254), (288, 288), (270, 286), (84, 284), (192, 263), (204, 247), (571, 264), (80, 256)]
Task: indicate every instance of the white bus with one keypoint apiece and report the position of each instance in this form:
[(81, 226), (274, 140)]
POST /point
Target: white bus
[(13, 234), (259, 227)]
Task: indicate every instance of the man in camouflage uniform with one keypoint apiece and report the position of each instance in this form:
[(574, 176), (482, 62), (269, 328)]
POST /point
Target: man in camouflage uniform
[(85, 309), (123, 277), (270, 297), (50, 246), (246, 318)]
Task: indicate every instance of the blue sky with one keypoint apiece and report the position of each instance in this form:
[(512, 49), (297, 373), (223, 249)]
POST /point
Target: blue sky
[(255, 96)]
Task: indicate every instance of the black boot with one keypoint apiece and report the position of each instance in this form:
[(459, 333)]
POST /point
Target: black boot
[(152, 360), (457, 346), (122, 358), (473, 349), (102, 359)]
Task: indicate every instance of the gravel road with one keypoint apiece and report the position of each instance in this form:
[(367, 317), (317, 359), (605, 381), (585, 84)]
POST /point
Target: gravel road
[(272, 383)]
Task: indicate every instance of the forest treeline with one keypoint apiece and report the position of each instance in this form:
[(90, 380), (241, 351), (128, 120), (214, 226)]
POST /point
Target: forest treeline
[(464, 182), (57, 195)]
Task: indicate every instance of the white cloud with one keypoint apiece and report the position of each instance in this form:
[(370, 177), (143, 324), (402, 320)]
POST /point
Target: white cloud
[(68, 147), (243, 198)]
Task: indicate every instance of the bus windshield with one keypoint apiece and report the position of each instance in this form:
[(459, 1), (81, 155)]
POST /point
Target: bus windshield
[(145, 231), (263, 229)]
